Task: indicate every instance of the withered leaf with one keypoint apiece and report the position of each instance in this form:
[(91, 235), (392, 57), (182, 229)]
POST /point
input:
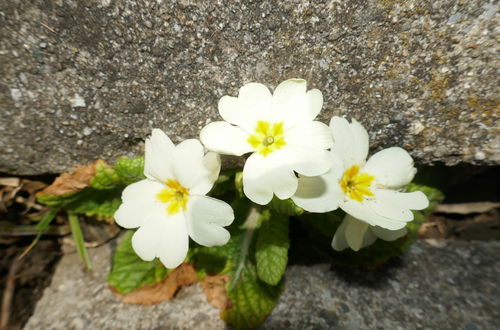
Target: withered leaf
[(215, 290), (162, 291), (74, 181)]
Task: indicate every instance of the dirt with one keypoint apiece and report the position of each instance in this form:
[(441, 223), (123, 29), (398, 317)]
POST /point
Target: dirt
[(32, 277)]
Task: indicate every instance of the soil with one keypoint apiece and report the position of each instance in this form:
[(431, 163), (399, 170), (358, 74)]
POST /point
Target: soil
[(32, 277)]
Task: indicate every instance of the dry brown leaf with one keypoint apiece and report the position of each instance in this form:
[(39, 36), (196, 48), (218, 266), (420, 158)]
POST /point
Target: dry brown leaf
[(33, 186), (162, 291), (467, 208), (215, 290), (70, 182), (11, 181), (10, 189)]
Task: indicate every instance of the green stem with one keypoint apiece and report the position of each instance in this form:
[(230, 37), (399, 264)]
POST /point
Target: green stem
[(76, 231), (250, 224)]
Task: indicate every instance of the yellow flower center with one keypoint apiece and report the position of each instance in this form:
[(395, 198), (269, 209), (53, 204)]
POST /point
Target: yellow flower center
[(267, 138), (356, 185), (175, 195)]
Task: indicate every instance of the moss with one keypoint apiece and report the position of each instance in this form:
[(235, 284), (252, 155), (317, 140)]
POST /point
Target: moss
[(487, 106), (437, 86)]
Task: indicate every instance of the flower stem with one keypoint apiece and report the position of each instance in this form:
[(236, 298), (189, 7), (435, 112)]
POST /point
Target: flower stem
[(251, 223)]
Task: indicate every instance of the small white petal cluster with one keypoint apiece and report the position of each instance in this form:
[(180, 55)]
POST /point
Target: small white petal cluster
[(368, 191), (170, 205), (280, 132), (358, 234)]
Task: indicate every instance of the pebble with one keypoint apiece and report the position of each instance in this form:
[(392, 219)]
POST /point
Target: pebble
[(77, 101)]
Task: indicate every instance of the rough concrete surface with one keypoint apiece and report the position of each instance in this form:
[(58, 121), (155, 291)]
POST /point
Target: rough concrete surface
[(88, 79), (442, 286)]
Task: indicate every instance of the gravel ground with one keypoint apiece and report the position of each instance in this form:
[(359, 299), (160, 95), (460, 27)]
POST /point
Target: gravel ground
[(443, 285)]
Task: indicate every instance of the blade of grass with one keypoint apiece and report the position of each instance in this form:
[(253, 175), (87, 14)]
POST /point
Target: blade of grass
[(76, 231), (42, 226)]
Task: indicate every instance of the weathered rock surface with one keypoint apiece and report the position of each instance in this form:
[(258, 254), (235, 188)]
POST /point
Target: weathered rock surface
[(82, 80), (452, 286)]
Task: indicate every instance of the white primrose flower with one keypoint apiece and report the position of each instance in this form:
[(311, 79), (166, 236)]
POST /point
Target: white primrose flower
[(367, 190), (280, 131), (170, 205), (357, 234)]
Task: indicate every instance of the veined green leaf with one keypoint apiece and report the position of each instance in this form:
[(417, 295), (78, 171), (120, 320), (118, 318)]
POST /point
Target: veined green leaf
[(129, 272), (251, 299), (105, 177), (130, 170), (272, 248), (285, 206), (101, 204)]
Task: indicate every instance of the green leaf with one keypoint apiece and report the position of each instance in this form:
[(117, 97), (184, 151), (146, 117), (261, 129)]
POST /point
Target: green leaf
[(103, 197), (92, 202), (225, 184), (285, 206), (129, 272), (238, 183), (105, 177), (252, 300), (272, 248), (130, 170), (76, 231)]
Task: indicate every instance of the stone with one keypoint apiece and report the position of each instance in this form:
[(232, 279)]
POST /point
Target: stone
[(418, 74), (428, 288)]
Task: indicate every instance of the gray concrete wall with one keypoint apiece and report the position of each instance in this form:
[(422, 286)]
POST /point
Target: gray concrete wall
[(88, 79)]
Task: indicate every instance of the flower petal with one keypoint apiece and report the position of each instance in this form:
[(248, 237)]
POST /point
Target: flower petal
[(350, 141), (388, 235), (312, 134), (306, 161), (339, 242), (138, 200), (396, 205), (263, 176), (355, 232), (158, 156), (319, 193), (225, 138), (146, 239), (252, 104), (363, 212), (392, 168), (175, 241), (164, 236), (212, 163), (292, 104), (206, 218), (306, 148), (370, 237), (190, 166)]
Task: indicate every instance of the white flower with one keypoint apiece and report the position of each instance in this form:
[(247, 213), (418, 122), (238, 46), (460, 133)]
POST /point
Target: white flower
[(279, 131), (170, 205), (367, 190), (357, 234)]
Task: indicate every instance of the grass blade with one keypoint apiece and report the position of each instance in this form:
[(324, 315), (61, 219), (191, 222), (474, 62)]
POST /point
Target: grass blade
[(76, 231)]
